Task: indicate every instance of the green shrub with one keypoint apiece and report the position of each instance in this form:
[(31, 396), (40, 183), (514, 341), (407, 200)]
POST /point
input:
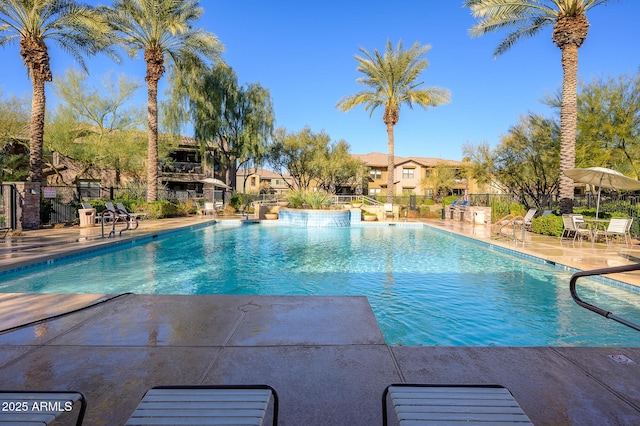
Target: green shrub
[(46, 208), (313, 199), (186, 208), (295, 199), (517, 209), (500, 209), (238, 200), (161, 209), (448, 200), (547, 225), (318, 199)]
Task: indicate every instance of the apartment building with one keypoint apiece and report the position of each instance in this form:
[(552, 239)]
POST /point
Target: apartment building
[(408, 174), (257, 181)]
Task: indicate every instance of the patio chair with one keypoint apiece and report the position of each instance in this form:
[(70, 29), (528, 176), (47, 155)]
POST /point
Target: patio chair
[(422, 404), (123, 209), (573, 226), (526, 220), (617, 226), (389, 211), (119, 214), (200, 405), (36, 407), (209, 208), (462, 206)]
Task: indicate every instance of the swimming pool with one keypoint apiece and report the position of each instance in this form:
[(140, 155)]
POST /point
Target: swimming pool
[(426, 287)]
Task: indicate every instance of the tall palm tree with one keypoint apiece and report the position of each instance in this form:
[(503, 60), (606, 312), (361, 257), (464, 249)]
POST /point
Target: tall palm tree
[(391, 81), (76, 28), (570, 28), (163, 30)]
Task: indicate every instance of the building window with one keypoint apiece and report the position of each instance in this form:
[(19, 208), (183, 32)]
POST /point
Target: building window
[(252, 182), (374, 191), (375, 174), (408, 191), (89, 189), (407, 173)]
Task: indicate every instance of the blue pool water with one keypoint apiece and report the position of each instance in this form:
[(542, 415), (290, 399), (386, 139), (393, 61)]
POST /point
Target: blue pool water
[(426, 287)]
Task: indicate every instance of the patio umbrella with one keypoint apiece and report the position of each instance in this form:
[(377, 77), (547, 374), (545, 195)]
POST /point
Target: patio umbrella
[(603, 178), (217, 183)]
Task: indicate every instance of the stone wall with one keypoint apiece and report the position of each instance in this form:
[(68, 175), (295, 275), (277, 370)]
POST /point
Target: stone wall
[(26, 210)]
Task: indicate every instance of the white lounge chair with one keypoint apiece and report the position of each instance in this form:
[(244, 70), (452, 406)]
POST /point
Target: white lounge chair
[(123, 209), (205, 405), (421, 404), (573, 226), (209, 208), (617, 226), (389, 211), (526, 221)]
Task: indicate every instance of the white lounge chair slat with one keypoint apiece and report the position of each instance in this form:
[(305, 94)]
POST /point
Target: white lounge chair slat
[(458, 423), (460, 409), (188, 398), (479, 402), (195, 421), (27, 417), (453, 404), (202, 406)]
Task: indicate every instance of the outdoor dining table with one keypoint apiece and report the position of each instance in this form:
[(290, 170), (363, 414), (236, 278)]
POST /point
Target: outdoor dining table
[(595, 224)]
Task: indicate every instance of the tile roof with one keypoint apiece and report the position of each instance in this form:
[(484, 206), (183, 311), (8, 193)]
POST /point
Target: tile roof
[(377, 159)]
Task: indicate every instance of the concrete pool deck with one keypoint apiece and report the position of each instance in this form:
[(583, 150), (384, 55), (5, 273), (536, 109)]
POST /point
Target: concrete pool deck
[(324, 355)]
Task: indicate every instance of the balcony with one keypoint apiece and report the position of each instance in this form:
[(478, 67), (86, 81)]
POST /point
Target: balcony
[(183, 171)]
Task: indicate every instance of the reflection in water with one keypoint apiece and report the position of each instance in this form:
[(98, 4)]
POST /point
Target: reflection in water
[(424, 286), (151, 252)]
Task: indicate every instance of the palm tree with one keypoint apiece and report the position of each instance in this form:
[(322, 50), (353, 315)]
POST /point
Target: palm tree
[(78, 29), (162, 29), (391, 81), (570, 28)]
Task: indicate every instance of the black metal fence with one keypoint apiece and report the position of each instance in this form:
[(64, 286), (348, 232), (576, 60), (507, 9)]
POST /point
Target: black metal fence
[(63, 208)]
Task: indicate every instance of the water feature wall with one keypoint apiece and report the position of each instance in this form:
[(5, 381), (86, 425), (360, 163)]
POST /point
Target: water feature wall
[(318, 218)]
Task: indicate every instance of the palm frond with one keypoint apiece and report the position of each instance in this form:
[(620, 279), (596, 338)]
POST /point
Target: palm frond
[(166, 26), (391, 78)]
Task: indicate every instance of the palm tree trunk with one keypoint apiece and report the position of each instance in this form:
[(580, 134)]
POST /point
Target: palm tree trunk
[(390, 163), (152, 155), (568, 120), (36, 130)]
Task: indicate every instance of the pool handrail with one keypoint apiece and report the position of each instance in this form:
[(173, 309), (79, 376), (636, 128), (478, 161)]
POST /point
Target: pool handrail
[(593, 308)]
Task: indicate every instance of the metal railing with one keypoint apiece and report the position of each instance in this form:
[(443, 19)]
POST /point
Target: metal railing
[(596, 309)]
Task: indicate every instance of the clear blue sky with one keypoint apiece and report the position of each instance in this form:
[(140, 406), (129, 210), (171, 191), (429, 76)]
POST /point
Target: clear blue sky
[(303, 53)]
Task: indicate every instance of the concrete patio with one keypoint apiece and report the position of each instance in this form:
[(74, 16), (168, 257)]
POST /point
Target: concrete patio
[(325, 356)]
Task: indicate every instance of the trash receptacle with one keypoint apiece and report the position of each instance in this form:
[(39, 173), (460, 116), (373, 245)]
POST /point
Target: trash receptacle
[(444, 212), (479, 217), (87, 217)]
